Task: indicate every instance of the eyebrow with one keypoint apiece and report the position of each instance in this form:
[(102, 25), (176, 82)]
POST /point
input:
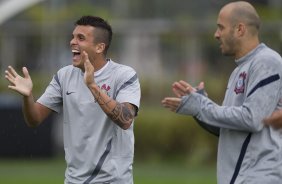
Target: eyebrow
[(220, 25)]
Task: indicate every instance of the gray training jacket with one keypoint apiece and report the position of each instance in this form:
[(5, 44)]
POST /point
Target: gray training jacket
[(248, 151)]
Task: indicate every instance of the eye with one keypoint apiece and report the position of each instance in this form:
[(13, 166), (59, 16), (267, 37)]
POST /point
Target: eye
[(81, 37), (220, 27)]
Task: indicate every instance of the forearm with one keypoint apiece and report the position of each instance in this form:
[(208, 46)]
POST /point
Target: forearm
[(31, 114), (243, 118), (120, 113)]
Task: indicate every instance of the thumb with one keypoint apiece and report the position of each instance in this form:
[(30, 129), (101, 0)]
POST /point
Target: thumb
[(84, 55), (201, 86), (86, 64), (25, 72)]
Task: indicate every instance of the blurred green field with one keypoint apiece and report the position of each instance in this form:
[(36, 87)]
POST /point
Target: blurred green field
[(51, 171)]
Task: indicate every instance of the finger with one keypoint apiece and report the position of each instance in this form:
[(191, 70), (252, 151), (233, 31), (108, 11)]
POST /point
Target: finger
[(87, 65), (168, 103), (12, 71), (178, 93), (180, 85), (10, 78), (172, 101), (179, 88), (190, 90), (201, 86), (184, 84), (8, 75), (25, 72), (12, 82), (84, 56), (171, 105), (172, 108), (12, 87), (163, 102)]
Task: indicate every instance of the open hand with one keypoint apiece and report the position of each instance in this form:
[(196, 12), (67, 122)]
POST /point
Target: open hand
[(183, 88), (172, 103), (180, 89), (89, 70), (22, 85)]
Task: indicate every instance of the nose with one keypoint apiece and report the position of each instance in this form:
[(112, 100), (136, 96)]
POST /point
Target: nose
[(73, 41), (216, 34)]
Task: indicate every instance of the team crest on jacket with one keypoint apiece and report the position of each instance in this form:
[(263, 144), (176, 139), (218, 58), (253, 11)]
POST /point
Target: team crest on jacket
[(240, 85)]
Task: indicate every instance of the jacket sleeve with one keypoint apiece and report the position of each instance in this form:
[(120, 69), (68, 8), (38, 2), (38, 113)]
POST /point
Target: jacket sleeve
[(211, 129), (262, 96)]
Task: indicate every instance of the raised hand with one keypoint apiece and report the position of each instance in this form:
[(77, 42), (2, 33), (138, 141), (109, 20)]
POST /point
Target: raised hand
[(89, 69), (180, 88), (171, 103), (22, 85), (183, 88)]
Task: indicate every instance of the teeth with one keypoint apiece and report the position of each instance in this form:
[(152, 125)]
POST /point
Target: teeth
[(75, 51)]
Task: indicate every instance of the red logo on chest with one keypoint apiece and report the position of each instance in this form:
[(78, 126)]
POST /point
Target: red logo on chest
[(240, 85), (105, 89)]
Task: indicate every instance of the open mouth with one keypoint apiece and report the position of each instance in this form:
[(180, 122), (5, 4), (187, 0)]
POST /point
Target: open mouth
[(76, 54)]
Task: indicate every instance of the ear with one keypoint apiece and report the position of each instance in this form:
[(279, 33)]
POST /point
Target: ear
[(241, 29), (100, 47)]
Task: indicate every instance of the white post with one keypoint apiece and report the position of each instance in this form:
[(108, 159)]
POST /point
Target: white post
[(10, 8)]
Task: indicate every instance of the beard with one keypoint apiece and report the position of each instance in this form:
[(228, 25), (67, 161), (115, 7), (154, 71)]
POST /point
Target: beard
[(229, 47)]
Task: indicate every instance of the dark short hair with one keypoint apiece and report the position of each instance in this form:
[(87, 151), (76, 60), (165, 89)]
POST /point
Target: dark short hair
[(104, 31)]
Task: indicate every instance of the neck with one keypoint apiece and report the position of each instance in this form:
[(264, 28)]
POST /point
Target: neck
[(98, 63), (244, 50)]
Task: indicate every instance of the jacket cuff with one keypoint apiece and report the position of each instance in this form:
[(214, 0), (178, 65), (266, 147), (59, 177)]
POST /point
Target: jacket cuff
[(190, 105)]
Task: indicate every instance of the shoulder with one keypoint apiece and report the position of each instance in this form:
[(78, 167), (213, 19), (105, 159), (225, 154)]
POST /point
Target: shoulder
[(67, 71), (266, 59), (121, 69), (265, 63), (266, 54)]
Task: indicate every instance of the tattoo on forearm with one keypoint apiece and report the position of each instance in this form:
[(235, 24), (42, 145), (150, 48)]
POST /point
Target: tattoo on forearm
[(116, 112), (122, 114), (100, 100)]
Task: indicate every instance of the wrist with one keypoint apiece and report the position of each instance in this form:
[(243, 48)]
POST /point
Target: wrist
[(93, 87), (27, 94), (95, 90)]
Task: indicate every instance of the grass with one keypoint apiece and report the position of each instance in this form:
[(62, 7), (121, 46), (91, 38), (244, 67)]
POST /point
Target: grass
[(32, 171), (146, 173), (28, 171)]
